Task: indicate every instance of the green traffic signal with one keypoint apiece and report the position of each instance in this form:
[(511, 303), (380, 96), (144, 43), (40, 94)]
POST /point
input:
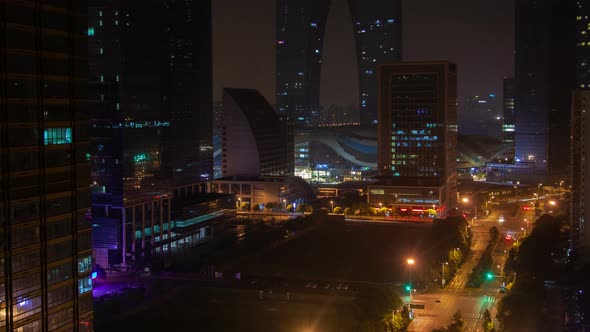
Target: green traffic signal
[(489, 276), (408, 287)]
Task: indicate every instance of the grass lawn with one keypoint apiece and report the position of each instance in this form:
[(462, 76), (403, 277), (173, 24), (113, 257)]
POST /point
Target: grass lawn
[(206, 309), (366, 252)]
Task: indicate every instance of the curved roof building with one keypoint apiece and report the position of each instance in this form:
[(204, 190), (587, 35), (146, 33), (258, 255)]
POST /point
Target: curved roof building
[(254, 140)]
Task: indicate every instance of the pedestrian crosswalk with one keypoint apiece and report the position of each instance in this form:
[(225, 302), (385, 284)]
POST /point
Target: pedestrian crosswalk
[(435, 314), (463, 297)]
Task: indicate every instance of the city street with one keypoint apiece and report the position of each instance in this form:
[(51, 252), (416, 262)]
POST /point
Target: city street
[(439, 306)]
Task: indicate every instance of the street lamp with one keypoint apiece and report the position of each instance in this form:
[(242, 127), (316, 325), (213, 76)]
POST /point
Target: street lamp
[(523, 230), (332, 203), (443, 272), (465, 200), (552, 203), (516, 191), (410, 262), (527, 223), (239, 202), (285, 204)]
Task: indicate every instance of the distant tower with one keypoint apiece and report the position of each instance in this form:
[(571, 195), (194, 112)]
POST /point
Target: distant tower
[(481, 116), (300, 32), (417, 134), (508, 116)]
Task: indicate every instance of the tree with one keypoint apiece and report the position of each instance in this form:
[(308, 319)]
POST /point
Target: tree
[(244, 206), (270, 205), (374, 303), (347, 211), (487, 324), (338, 210), (458, 324), (399, 321), (290, 207), (494, 233), (255, 207), (308, 209)]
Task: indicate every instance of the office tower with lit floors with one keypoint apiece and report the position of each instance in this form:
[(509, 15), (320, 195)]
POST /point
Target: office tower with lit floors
[(45, 275), (508, 117), (417, 137)]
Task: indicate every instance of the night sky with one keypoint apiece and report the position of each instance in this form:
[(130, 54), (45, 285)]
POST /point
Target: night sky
[(477, 35)]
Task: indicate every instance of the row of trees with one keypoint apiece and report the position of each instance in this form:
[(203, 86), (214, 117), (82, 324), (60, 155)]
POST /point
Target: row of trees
[(482, 270), (379, 308), (540, 256), (451, 243), (272, 206)]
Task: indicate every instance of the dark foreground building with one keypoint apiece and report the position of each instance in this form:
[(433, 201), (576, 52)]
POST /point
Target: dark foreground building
[(417, 137), (151, 115), (46, 260), (545, 65)]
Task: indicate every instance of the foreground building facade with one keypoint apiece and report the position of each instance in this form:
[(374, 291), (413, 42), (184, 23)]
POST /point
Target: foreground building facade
[(151, 116), (579, 210), (46, 258)]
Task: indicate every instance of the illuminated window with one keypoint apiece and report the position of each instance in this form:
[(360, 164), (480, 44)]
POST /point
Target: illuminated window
[(84, 264), (84, 285), (57, 136)]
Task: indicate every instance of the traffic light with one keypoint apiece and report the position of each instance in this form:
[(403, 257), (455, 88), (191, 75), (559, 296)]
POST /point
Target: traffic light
[(408, 287), (489, 276)]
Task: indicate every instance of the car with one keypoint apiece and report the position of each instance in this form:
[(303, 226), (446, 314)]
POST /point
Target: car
[(326, 286), (314, 286), (501, 219), (345, 287), (339, 286)]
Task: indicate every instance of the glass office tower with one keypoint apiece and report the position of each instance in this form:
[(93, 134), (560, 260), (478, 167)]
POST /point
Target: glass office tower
[(46, 261)]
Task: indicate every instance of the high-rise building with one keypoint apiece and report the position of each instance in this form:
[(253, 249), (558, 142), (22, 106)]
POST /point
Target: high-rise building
[(417, 136), (254, 140), (544, 77), (583, 40), (580, 177), (46, 257), (301, 25), (580, 139), (151, 110), (508, 114), (480, 116)]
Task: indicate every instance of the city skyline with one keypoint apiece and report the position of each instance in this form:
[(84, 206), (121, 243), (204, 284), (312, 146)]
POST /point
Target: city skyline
[(483, 50)]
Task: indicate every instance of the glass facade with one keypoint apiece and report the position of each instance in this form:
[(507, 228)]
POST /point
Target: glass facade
[(417, 130), (44, 182), (300, 38)]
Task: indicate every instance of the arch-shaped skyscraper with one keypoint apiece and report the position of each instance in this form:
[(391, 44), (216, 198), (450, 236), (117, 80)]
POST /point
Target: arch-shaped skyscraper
[(301, 25)]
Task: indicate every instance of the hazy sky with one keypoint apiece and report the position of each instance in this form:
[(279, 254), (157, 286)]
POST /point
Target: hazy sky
[(477, 35)]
